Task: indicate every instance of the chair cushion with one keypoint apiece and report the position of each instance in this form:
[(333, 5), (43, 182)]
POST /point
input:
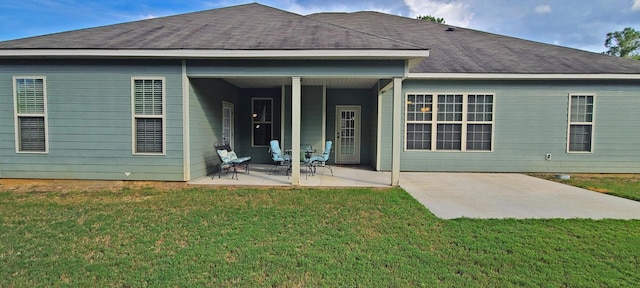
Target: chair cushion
[(241, 159), (316, 158), (224, 156), (232, 156)]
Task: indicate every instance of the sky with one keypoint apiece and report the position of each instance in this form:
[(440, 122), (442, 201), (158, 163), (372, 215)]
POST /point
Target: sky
[(581, 24)]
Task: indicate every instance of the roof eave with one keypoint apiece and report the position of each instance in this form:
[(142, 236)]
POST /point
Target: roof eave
[(202, 53), (525, 76)]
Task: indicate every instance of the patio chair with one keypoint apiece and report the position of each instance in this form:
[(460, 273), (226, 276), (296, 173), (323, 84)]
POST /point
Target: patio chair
[(278, 158), (305, 153), (320, 160), (229, 159)]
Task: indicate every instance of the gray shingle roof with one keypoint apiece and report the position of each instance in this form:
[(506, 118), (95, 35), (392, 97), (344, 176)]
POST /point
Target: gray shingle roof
[(470, 51), (244, 27), (258, 27)]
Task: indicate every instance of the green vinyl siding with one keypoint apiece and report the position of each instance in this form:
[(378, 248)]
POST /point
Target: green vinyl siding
[(386, 130), (531, 120), (205, 109), (259, 154), (310, 117), (90, 121), (205, 122)]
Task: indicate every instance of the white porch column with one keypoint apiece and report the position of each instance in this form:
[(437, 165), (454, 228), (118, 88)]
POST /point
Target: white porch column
[(396, 138), (186, 130), (296, 100)]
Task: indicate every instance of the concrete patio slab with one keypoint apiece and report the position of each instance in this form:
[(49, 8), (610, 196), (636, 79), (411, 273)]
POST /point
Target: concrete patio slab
[(481, 195), (456, 195), (259, 175)]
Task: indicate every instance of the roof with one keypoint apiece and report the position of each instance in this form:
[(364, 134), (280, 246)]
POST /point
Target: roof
[(255, 30), (244, 27), (460, 50)]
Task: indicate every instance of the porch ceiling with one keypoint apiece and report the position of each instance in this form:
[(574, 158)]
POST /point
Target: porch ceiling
[(342, 83)]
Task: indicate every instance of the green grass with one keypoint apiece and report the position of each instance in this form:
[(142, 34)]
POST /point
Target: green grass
[(296, 237), (625, 186)]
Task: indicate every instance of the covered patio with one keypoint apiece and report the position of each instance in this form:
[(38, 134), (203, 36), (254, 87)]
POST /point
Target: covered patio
[(339, 100), (343, 176)]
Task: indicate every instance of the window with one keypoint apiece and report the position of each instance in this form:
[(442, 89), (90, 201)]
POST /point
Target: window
[(148, 116), (581, 114), (479, 122), (449, 126), (262, 121), (463, 122), (419, 116), (31, 114)]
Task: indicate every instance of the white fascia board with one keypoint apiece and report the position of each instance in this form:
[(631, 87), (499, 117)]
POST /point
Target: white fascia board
[(506, 76), (185, 53)]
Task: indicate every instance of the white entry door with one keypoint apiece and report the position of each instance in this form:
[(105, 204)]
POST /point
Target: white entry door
[(227, 122), (347, 134)]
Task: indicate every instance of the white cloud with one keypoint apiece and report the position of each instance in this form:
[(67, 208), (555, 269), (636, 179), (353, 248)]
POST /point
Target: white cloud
[(636, 5), (453, 12), (542, 9), (308, 8)]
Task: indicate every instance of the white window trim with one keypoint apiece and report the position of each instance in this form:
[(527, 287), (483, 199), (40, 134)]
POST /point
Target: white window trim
[(163, 116), (253, 123), (430, 122), (231, 140), (462, 123), (492, 122), (434, 121), (592, 123), (45, 115)]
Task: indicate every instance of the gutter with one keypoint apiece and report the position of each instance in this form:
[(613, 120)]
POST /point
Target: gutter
[(195, 53), (508, 76)]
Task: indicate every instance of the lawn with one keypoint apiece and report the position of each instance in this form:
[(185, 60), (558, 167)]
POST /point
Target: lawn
[(625, 186), (295, 237)]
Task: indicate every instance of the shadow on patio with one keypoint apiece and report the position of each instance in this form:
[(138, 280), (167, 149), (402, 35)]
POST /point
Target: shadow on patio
[(348, 176)]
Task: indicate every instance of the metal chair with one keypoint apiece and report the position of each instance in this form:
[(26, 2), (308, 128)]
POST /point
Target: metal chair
[(279, 159), (321, 159), (229, 159)]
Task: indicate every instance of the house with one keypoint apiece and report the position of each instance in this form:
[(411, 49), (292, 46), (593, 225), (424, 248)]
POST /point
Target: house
[(145, 100)]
